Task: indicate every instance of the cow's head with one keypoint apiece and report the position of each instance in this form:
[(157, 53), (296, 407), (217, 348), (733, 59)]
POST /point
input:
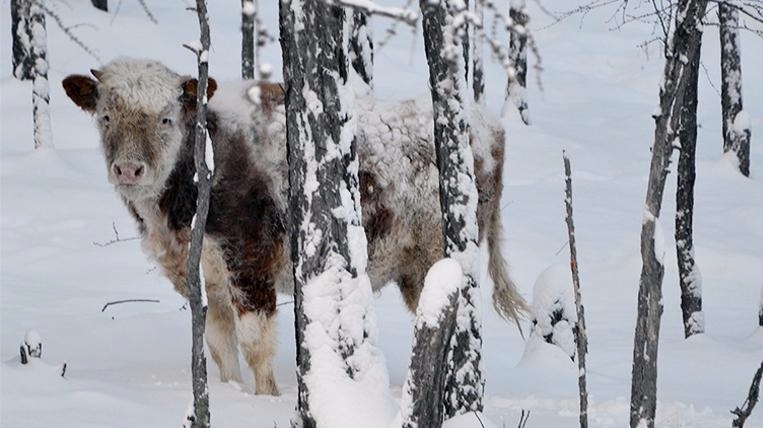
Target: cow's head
[(141, 110)]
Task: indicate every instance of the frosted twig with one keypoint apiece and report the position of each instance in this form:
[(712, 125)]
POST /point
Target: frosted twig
[(408, 16), (65, 29)]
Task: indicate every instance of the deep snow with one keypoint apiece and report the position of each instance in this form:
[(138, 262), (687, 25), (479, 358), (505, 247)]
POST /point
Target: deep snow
[(129, 365)]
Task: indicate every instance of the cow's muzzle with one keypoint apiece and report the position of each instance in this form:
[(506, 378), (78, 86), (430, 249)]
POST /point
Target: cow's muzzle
[(128, 172)]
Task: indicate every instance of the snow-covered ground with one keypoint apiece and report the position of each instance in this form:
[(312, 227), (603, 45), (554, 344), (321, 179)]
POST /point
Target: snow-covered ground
[(128, 365)]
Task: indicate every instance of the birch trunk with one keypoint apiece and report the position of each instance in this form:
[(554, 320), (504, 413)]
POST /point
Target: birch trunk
[(681, 50), (736, 126)]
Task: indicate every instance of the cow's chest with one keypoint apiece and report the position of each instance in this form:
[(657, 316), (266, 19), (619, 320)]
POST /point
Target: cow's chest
[(168, 247)]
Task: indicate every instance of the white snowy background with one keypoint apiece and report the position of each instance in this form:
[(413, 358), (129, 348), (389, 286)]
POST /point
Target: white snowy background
[(128, 366)]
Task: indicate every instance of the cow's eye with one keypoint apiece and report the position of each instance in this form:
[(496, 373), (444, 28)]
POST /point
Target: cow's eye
[(105, 119), (167, 121)]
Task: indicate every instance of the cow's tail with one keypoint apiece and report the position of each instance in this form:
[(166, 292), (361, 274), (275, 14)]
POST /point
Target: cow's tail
[(506, 298)]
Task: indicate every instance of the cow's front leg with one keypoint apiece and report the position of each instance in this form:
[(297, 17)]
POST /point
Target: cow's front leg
[(254, 304), (221, 335)]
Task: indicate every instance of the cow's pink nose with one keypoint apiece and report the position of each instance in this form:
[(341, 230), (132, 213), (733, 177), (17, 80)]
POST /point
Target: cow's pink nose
[(128, 172)]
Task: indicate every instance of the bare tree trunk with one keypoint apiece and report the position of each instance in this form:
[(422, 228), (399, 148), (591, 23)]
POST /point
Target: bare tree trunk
[(101, 4), (581, 339), (197, 295), (362, 46), (690, 278), (424, 388), (328, 249), (22, 44), (685, 38), (478, 69), (517, 89), (458, 199), (43, 136), (247, 39), (736, 122)]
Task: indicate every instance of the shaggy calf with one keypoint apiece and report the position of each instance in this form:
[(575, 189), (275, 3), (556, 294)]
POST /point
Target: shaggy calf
[(145, 115)]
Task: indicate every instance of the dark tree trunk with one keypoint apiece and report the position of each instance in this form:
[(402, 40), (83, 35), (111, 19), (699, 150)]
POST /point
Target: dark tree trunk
[(322, 168), (43, 136), (201, 416), (247, 39), (517, 89), (760, 310), (362, 46), (478, 69), (685, 38), (736, 126), (22, 44), (689, 275), (458, 200), (427, 374), (581, 339), (101, 4)]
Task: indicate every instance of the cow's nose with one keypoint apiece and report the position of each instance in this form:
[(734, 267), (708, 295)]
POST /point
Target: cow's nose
[(128, 172)]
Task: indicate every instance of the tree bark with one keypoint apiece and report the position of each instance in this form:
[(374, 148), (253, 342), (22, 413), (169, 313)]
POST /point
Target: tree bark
[(424, 388), (362, 46), (581, 339), (478, 69), (328, 244), (685, 38), (690, 279), (736, 126), (517, 89), (22, 47), (458, 199), (742, 413), (43, 136), (247, 39), (197, 296)]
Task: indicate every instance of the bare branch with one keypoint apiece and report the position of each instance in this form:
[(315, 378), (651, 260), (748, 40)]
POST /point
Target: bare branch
[(116, 238), (405, 15), (67, 30), (117, 302), (752, 398)]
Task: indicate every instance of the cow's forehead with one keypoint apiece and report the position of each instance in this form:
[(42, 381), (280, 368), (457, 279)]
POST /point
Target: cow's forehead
[(140, 84)]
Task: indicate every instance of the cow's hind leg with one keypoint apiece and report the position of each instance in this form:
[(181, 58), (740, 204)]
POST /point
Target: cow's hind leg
[(221, 337), (256, 333)]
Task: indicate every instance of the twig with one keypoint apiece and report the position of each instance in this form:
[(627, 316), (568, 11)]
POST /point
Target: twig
[(523, 418), (116, 238), (117, 302), (151, 16), (65, 29), (752, 398)]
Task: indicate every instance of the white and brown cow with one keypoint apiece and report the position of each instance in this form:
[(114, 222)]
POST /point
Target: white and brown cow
[(145, 114)]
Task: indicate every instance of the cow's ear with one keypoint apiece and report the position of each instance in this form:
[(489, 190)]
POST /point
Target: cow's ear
[(82, 90), (190, 86)]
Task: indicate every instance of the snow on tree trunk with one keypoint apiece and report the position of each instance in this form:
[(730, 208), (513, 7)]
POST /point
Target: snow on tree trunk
[(681, 49), (22, 44), (581, 338), (478, 69), (247, 39), (101, 4), (458, 197), (424, 387), (736, 123), (689, 275), (199, 416), (362, 46), (517, 89), (43, 137), (339, 368)]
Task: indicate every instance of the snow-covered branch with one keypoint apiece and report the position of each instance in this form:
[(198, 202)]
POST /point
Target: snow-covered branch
[(406, 15)]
